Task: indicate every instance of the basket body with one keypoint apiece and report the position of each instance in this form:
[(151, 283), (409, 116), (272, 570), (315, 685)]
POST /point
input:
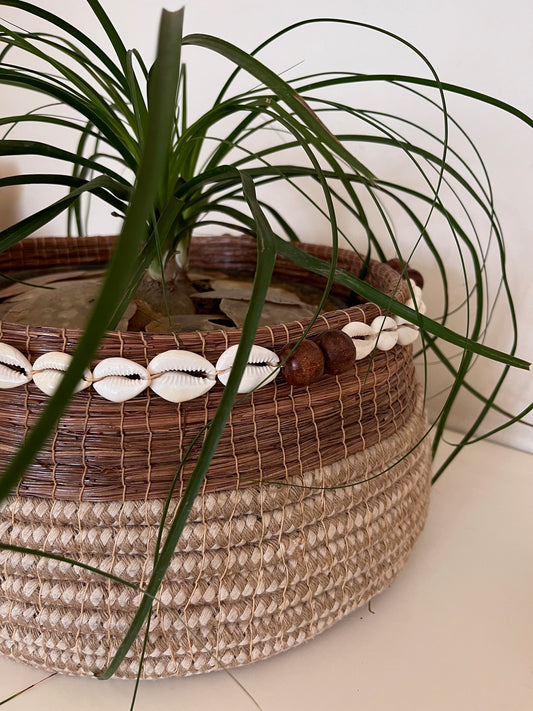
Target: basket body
[(311, 505)]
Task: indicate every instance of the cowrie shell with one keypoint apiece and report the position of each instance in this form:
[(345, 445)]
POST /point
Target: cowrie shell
[(407, 334), (119, 379), (49, 368), (15, 369), (363, 338), (178, 376), (262, 368), (420, 307), (416, 291), (386, 329), (407, 331)]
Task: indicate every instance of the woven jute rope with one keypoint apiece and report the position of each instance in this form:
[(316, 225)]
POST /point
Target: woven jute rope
[(256, 571), (310, 507)]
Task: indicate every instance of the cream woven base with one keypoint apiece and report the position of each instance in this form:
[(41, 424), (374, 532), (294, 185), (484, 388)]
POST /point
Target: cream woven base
[(257, 570)]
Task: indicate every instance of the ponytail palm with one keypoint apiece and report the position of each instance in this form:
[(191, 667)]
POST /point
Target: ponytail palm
[(136, 149)]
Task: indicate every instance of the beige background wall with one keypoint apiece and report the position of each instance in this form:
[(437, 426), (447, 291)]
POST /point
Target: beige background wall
[(483, 44)]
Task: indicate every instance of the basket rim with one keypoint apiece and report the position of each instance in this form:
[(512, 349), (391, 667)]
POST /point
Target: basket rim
[(105, 452), (382, 274)]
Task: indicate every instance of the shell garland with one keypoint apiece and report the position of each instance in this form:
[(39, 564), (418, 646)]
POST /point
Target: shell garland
[(261, 369), (178, 376)]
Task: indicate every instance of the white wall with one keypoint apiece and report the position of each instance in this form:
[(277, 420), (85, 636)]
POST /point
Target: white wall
[(483, 44)]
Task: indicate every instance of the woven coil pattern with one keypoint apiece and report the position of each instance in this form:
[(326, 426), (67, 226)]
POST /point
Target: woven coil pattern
[(255, 572), (103, 451), (311, 505)]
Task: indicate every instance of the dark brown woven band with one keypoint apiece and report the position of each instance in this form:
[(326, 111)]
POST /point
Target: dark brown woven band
[(103, 451), (224, 252)]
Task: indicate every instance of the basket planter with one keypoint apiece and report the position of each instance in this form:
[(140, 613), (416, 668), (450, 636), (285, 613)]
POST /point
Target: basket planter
[(283, 540)]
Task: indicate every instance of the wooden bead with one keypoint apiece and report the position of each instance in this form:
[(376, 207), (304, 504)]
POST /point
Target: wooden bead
[(411, 273), (304, 366), (396, 265), (338, 350)]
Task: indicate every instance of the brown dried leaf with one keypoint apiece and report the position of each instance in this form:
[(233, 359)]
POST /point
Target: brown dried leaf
[(275, 294), (176, 297), (271, 314), (17, 289), (123, 324), (67, 305), (183, 322), (143, 315)]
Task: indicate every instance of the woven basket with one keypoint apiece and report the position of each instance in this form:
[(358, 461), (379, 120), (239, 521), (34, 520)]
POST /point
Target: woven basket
[(282, 542)]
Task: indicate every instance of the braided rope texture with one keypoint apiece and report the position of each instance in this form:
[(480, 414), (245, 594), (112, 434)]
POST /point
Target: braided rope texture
[(283, 540), (257, 570)]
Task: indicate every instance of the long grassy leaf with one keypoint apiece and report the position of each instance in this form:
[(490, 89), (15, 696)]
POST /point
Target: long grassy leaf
[(266, 257), (10, 147), (41, 118), (140, 111), (72, 31), (71, 561), (71, 78), (283, 91), (123, 261), (27, 688), (319, 266), (44, 86), (100, 186), (111, 32), (445, 86), (98, 74)]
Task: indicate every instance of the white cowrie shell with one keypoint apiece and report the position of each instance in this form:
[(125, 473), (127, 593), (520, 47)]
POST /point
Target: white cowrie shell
[(178, 376), (420, 308), (261, 369), (49, 368), (119, 379), (363, 338), (416, 291), (386, 330), (407, 334), (15, 369), (415, 301)]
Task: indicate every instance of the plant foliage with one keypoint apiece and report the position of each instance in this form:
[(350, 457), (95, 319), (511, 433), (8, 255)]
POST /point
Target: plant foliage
[(135, 148)]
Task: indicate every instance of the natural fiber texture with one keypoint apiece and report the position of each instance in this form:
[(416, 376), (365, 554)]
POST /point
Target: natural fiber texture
[(105, 451), (310, 507), (257, 570)]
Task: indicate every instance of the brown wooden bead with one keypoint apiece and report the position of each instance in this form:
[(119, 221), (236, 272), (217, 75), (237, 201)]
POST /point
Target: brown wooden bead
[(396, 265), (411, 273), (338, 350), (304, 366)]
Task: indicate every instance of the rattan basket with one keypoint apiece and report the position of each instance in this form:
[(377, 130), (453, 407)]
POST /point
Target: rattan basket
[(282, 542)]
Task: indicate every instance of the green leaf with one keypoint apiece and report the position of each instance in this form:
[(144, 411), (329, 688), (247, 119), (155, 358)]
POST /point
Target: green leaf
[(103, 187), (319, 266), (284, 92), (10, 147), (444, 86), (69, 29), (124, 258), (266, 257), (115, 137), (111, 32)]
